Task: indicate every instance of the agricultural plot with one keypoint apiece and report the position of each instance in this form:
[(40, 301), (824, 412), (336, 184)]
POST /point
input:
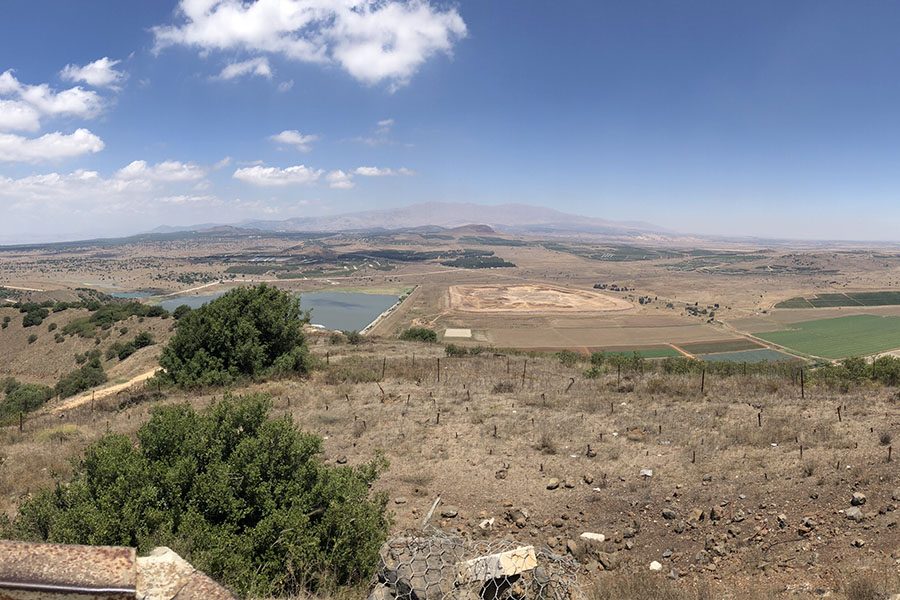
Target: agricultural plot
[(748, 356), (643, 351), (886, 298), (857, 335), (716, 346)]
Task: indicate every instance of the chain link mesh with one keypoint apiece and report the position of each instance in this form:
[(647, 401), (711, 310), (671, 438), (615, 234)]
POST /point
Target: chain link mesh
[(439, 566)]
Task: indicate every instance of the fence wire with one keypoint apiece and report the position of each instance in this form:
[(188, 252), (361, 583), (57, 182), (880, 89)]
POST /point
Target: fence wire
[(439, 566)]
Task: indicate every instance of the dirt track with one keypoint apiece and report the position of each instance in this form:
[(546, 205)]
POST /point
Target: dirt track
[(103, 392)]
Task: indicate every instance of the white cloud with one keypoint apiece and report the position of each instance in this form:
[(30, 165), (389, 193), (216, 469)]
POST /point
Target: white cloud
[(254, 66), (384, 126), (373, 40), (50, 146), (100, 73), (285, 86), (273, 176), (17, 115), (340, 180), (166, 171), (379, 172), (292, 137), (222, 163), (22, 106)]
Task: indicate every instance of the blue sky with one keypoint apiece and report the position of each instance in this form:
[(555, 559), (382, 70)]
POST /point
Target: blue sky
[(768, 118)]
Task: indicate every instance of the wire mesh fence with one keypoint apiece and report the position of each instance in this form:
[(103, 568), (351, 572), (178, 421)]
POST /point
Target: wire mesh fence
[(438, 566)]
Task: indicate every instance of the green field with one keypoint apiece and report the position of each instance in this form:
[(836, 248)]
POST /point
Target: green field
[(857, 335), (643, 351), (748, 356), (715, 346), (886, 298)]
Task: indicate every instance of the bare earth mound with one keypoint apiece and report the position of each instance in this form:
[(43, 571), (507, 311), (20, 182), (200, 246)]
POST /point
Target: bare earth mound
[(530, 298)]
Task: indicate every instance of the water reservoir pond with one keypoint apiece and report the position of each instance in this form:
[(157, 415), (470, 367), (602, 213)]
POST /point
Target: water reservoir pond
[(346, 311)]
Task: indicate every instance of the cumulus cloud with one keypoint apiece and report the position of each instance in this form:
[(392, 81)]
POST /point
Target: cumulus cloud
[(22, 106), (379, 172), (274, 176), (373, 40), (48, 147), (16, 115), (340, 180), (100, 73), (255, 66), (166, 171), (292, 137)]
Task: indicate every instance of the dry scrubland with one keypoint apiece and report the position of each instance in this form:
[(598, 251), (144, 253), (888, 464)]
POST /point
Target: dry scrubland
[(731, 509)]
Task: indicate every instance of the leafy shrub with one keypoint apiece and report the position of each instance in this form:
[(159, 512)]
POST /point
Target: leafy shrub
[(51, 327), (34, 316), (419, 334), (455, 351), (248, 332), (32, 338), (567, 358), (79, 380), (180, 311), (106, 315), (353, 337), (22, 398), (123, 351), (243, 497)]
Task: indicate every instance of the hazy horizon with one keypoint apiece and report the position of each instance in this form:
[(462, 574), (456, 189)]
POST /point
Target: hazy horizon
[(765, 120)]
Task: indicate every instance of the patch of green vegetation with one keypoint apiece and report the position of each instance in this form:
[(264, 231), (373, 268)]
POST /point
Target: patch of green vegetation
[(642, 351), (249, 332), (489, 240), (796, 302), (123, 351), (244, 497), (711, 347), (479, 262), (856, 335), (21, 398), (419, 334), (104, 316), (882, 298), (749, 356), (81, 379)]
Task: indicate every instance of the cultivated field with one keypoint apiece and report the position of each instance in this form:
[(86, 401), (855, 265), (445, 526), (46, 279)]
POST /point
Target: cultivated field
[(857, 335)]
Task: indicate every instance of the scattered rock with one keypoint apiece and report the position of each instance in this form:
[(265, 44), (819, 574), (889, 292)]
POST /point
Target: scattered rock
[(594, 537), (609, 561), (487, 523), (646, 473), (854, 514), (858, 499), (782, 520), (668, 514), (859, 543), (628, 533), (341, 460), (553, 483), (655, 566), (697, 515), (399, 500), (449, 512)]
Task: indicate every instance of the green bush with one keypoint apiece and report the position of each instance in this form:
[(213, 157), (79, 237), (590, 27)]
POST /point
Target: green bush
[(180, 311), (353, 337), (567, 358), (22, 398), (419, 334), (249, 332), (106, 315), (79, 380), (32, 338), (243, 497)]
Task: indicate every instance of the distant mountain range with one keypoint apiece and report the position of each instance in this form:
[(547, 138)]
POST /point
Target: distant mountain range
[(512, 218)]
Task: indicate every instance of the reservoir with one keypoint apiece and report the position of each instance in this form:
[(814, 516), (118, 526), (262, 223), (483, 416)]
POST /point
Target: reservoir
[(344, 311)]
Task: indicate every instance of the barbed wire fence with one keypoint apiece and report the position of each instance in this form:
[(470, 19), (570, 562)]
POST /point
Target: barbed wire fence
[(435, 565)]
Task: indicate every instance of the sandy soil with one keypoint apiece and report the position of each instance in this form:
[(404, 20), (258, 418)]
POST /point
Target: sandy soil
[(531, 298)]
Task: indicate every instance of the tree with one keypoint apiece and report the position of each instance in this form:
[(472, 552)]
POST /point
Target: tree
[(79, 380), (419, 334), (249, 332), (244, 497)]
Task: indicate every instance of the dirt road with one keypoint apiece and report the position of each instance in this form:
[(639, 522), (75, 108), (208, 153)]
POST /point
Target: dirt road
[(103, 392)]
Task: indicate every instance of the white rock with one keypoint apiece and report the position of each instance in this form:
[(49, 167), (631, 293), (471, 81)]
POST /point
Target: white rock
[(655, 566), (487, 523), (646, 472), (594, 537)]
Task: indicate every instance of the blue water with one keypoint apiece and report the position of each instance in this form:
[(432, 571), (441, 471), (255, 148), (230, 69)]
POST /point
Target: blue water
[(131, 295), (346, 311)]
